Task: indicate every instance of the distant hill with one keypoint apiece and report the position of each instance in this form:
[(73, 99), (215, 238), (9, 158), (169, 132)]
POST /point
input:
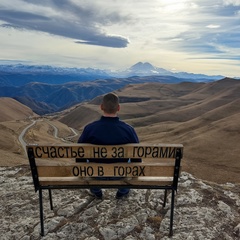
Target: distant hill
[(46, 98), (38, 107), (13, 110)]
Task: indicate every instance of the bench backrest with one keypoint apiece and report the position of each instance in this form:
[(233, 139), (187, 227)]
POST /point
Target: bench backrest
[(53, 163)]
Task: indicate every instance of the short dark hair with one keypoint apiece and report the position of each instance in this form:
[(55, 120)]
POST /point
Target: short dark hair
[(110, 103)]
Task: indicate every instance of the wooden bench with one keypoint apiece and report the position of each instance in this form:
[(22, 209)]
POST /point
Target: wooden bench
[(55, 167)]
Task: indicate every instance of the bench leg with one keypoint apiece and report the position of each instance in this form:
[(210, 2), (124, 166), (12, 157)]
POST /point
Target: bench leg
[(171, 213), (165, 198), (50, 199), (41, 211)]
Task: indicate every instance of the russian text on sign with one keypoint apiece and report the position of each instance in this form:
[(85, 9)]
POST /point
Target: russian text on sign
[(104, 152)]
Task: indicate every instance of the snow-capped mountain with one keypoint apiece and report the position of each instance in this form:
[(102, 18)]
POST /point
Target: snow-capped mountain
[(147, 69)]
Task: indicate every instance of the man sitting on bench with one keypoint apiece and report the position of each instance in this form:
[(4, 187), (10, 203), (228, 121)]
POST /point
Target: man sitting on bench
[(109, 130)]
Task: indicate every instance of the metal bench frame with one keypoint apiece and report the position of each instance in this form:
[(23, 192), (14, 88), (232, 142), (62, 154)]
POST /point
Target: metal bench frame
[(38, 187)]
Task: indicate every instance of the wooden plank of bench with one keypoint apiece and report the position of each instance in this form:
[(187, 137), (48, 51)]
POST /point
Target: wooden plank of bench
[(105, 151), (107, 170), (70, 162), (54, 162), (140, 181)]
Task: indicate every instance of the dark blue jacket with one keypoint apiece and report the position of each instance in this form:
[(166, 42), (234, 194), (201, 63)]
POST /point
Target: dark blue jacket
[(108, 131)]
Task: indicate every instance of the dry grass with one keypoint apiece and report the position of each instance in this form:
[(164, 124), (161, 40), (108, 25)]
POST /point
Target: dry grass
[(12, 110), (202, 116)]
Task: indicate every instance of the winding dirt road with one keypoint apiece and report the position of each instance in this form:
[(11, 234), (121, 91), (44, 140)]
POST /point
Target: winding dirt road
[(55, 134)]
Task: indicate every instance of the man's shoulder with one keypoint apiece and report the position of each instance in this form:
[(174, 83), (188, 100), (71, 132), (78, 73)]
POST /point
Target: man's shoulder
[(126, 125), (92, 123)]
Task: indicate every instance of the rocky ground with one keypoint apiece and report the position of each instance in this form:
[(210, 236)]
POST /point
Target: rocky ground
[(203, 210)]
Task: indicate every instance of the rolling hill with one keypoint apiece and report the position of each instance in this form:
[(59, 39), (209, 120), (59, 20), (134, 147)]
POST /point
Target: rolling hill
[(44, 98), (13, 110), (202, 116)]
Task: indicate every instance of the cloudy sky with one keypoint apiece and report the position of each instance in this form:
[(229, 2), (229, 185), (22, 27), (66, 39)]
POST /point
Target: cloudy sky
[(198, 36)]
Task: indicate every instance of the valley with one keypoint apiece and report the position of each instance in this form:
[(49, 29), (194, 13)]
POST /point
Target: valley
[(204, 117)]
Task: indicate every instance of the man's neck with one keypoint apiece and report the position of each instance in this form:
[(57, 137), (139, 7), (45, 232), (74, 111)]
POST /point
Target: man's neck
[(109, 114)]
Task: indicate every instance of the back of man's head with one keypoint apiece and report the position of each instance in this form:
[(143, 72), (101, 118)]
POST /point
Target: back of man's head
[(110, 103)]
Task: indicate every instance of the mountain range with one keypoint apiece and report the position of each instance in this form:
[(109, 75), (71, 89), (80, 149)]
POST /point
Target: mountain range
[(19, 75), (47, 89)]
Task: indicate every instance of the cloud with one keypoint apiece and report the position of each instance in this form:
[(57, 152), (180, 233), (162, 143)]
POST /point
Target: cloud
[(83, 23), (113, 41), (213, 26), (214, 29), (232, 2)]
